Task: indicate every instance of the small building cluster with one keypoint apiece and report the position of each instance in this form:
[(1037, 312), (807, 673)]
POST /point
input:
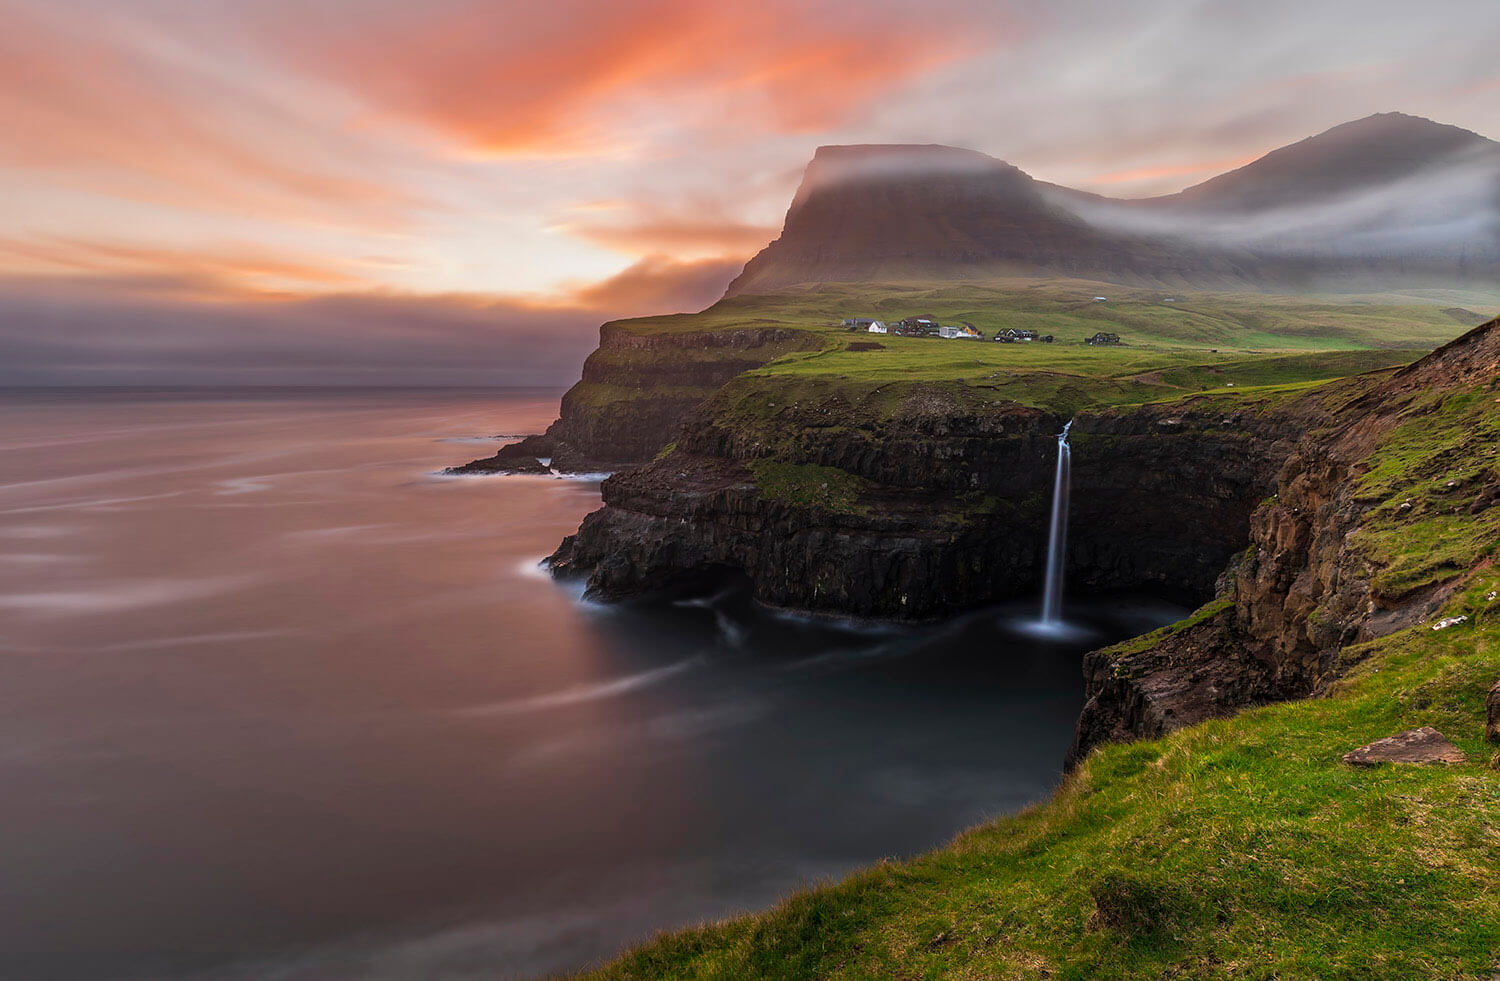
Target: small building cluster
[(929, 327), (1013, 335)]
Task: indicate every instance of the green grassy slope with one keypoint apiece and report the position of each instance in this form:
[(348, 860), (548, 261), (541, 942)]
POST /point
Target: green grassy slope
[(1066, 309), (1239, 848), (1201, 342)]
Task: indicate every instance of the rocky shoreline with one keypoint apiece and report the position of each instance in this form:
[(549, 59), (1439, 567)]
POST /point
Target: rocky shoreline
[(931, 499)]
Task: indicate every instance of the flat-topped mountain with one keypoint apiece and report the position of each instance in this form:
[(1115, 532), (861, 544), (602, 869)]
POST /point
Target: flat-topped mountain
[(1382, 198)]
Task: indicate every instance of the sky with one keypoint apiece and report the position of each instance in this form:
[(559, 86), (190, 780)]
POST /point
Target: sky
[(460, 191)]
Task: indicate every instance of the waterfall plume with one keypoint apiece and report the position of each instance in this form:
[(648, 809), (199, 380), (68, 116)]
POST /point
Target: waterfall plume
[(1057, 538)]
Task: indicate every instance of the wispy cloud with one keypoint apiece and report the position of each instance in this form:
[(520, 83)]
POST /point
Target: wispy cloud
[(196, 173), (101, 100), (581, 77), (662, 284)]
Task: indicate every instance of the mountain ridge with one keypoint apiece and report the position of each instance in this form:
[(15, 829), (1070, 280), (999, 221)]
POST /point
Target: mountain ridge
[(1386, 196)]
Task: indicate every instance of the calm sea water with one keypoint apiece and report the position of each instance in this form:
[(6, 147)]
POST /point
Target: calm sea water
[(276, 701)]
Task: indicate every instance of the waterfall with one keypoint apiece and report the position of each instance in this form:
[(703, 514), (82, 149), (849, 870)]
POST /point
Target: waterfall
[(1057, 539)]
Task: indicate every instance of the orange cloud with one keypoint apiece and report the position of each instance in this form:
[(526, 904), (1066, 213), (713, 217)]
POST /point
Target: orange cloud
[(675, 234), (98, 103), (228, 271), (576, 75), (660, 284)]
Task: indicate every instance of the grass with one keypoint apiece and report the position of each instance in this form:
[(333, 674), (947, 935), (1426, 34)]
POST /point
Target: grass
[(1066, 309), (1428, 471), (1237, 848), (807, 485), (1204, 342)]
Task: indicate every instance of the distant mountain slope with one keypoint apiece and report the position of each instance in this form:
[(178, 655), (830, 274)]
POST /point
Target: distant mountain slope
[(1369, 153), (1390, 197)]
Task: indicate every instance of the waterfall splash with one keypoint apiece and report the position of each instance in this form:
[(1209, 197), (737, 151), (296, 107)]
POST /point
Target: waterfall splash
[(1057, 540)]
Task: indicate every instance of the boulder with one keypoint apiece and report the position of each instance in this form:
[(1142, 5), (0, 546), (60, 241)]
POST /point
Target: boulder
[(1424, 745)]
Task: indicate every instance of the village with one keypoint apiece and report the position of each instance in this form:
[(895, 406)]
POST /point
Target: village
[(929, 327)]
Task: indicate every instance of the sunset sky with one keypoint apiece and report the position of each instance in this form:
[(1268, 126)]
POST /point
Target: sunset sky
[(455, 190)]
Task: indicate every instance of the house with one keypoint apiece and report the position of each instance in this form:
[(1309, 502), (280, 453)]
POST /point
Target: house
[(950, 332), (856, 323), (1012, 335), (1104, 338), (1100, 299), (878, 327)]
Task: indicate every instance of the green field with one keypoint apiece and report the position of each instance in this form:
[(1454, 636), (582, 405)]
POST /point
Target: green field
[(1201, 342), (1066, 309)]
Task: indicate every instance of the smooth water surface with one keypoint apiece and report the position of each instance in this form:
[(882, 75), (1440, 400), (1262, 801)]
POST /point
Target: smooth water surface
[(276, 701)]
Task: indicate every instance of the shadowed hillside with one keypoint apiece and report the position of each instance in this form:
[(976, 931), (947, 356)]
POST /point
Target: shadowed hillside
[(1390, 199)]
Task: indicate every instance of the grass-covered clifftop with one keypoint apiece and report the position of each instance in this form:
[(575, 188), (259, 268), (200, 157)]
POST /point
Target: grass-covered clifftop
[(1240, 847), (648, 373)]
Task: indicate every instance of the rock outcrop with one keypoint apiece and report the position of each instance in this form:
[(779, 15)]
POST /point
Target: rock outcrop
[(637, 387), (1305, 588), (913, 501), (1424, 745)]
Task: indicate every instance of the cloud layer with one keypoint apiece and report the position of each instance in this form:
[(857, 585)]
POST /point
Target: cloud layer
[(485, 168)]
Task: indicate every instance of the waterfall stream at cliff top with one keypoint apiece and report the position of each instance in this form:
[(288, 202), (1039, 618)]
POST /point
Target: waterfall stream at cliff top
[(1057, 538)]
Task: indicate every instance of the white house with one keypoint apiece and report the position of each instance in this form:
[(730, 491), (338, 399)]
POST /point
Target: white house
[(878, 327)]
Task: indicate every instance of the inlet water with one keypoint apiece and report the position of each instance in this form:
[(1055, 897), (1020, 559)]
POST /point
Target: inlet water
[(361, 737), (1057, 538)]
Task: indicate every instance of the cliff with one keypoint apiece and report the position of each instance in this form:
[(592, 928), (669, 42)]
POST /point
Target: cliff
[(1216, 839), (637, 386), (911, 500), (1380, 514)]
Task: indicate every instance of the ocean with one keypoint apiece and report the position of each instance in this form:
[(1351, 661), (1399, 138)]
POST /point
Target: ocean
[(278, 700)]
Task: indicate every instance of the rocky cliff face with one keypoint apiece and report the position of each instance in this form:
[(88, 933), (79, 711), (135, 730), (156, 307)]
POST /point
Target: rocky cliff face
[(931, 500), (636, 388), (1321, 572)]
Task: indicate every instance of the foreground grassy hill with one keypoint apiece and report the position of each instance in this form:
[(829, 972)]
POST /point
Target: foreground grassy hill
[(1240, 847)]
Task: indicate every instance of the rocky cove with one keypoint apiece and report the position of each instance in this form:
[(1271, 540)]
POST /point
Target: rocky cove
[(938, 507), (915, 500)]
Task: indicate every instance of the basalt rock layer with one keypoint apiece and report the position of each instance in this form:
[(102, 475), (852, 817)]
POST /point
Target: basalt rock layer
[(637, 386), (917, 500)]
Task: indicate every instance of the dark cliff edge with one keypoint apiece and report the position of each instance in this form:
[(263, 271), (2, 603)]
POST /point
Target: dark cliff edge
[(637, 386), (914, 500), (1323, 572)]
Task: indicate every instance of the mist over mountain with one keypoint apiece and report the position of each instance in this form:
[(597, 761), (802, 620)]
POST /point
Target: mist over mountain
[(1383, 200)]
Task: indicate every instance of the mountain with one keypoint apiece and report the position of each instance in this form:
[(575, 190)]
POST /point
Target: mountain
[(1367, 154), (1389, 197), (883, 212)]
